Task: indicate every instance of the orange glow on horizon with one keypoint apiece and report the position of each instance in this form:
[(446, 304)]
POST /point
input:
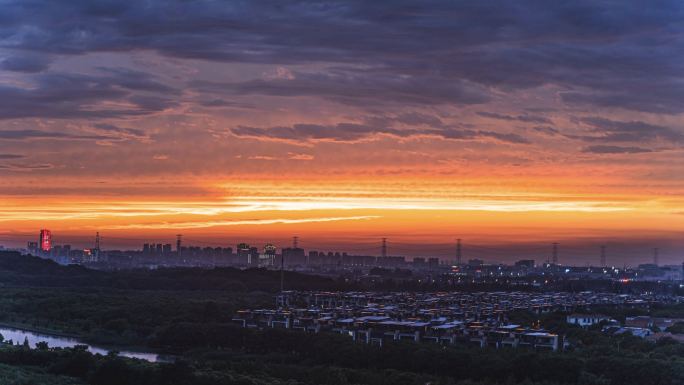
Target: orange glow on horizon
[(410, 209)]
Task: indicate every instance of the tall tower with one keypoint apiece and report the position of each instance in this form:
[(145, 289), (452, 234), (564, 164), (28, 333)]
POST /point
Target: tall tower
[(295, 242), (97, 246), (655, 256), (178, 244), (383, 250), (45, 240), (458, 252), (555, 253), (282, 269), (603, 256)]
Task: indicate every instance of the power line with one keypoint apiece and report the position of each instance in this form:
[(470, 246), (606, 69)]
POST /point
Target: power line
[(555, 253), (458, 252), (603, 256)]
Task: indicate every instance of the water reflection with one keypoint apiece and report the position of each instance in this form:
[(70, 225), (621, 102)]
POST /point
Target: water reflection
[(18, 336)]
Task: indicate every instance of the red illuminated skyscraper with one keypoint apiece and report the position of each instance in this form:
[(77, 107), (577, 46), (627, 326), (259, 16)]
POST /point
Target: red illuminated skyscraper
[(45, 241)]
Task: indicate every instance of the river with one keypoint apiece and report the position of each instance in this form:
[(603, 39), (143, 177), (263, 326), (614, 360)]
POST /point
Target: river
[(54, 341)]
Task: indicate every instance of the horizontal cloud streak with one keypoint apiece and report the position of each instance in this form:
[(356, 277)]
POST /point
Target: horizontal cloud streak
[(615, 150), (250, 222), (352, 132)]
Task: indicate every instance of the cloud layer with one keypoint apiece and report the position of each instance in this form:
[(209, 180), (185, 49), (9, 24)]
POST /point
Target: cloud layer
[(174, 98)]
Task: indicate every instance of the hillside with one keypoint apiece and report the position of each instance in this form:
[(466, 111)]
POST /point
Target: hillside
[(18, 270)]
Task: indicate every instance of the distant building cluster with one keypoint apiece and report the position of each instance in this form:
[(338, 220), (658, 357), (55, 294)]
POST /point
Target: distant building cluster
[(64, 254), (366, 267), (480, 319)]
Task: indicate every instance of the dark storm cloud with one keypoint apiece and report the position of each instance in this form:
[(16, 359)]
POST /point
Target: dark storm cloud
[(134, 80), (358, 88), (41, 134), (221, 103), (408, 118), (64, 95), (343, 132), (351, 132), (653, 95), (521, 118), (503, 137), (629, 131), (122, 131), (615, 150), (28, 63), (10, 156), (26, 167), (626, 54), (547, 130), (416, 118)]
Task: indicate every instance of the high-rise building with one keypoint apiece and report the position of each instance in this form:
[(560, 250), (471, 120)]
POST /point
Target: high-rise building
[(419, 262), (45, 240), (243, 254), (294, 256), (253, 256), (475, 262), (314, 258), (32, 247), (269, 256), (525, 263)]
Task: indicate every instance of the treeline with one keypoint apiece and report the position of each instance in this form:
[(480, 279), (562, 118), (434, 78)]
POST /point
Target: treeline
[(18, 270), (79, 364), (120, 317), (223, 354), (75, 366)]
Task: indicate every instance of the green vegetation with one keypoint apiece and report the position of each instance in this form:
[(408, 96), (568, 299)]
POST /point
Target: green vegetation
[(677, 328), (217, 353), (26, 271), (20, 375), (194, 324), (126, 317)]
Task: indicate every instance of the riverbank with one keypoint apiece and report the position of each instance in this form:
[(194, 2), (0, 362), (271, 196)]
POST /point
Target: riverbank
[(39, 330), (19, 335)]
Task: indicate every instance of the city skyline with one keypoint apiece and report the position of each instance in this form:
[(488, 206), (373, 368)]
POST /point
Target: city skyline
[(569, 254), (513, 125)]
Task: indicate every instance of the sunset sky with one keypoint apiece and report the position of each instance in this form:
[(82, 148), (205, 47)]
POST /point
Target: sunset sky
[(508, 124)]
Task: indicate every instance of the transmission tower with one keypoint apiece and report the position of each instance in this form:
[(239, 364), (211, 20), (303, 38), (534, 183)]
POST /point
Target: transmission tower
[(282, 272), (97, 245), (295, 242), (555, 253), (603, 256), (458, 252), (383, 250)]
